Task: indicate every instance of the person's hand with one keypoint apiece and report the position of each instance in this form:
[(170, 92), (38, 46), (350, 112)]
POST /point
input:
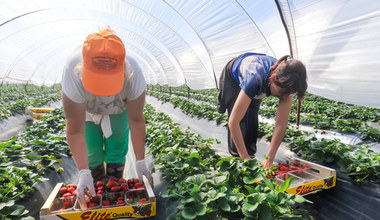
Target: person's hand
[(85, 182), (267, 164), (143, 170)]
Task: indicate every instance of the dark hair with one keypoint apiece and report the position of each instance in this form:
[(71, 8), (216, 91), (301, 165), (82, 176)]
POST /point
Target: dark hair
[(291, 76)]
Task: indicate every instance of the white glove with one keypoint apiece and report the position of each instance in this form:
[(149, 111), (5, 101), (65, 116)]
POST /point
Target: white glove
[(143, 170), (85, 182)]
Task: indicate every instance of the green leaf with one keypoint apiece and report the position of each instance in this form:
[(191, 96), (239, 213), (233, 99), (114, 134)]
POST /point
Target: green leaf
[(268, 183), (248, 180), (272, 197), (281, 208), (7, 204), (194, 210), (219, 180), (265, 212), (259, 197), (17, 210), (223, 203), (301, 199), (285, 185), (250, 189), (197, 179), (250, 207)]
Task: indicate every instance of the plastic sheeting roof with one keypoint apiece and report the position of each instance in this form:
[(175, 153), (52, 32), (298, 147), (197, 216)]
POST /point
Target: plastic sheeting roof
[(189, 42)]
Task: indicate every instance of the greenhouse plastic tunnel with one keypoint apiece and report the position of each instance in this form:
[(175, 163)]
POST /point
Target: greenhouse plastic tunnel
[(186, 44)]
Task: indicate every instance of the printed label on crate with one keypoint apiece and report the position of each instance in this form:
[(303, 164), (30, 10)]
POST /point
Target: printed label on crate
[(135, 211), (316, 185)]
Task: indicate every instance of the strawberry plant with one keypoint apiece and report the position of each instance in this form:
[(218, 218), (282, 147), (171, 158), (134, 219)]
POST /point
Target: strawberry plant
[(205, 186), (24, 160), (362, 164)]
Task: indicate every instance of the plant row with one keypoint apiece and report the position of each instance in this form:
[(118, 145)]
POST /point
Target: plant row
[(205, 186), (317, 121), (25, 159), (312, 104), (358, 161), (15, 98)]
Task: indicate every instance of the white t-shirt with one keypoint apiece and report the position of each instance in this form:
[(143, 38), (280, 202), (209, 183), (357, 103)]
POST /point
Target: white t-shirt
[(134, 86), (98, 108)]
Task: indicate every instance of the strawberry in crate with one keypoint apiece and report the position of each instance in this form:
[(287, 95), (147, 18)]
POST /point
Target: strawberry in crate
[(137, 191), (282, 170), (115, 192), (116, 185), (66, 196), (99, 187)]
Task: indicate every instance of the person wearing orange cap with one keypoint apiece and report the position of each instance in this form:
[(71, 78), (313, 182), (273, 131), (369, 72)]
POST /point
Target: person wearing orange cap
[(103, 100)]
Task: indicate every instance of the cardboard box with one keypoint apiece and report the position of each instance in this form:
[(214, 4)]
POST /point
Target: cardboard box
[(128, 211), (315, 178), (37, 113)]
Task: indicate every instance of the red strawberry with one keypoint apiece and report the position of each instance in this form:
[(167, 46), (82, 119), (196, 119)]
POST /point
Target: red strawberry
[(99, 183), (106, 203), (130, 181), (136, 180), (122, 180), (120, 203), (111, 184), (284, 165), (90, 205), (120, 198), (62, 190), (75, 192), (67, 205), (100, 192), (71, 189), (124, 186), (113, 179), (96, 199), (285, 169), (115, 188), (142, 200), (87, 199), (138, 185), (100, 188), (67, 195)]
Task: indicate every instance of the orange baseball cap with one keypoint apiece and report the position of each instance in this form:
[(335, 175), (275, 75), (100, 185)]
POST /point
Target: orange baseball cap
[(103, 63)]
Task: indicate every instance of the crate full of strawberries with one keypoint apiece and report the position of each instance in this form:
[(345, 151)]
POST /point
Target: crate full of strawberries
[(115, 199), (307, 177)]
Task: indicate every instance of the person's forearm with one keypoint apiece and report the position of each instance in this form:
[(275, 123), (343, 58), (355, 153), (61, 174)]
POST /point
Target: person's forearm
[(138, 139), (78, 147), (282, 116), (238, 139), (278, 135)]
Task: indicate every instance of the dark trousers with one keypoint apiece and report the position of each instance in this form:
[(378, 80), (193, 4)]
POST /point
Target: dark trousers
[(229, 90)]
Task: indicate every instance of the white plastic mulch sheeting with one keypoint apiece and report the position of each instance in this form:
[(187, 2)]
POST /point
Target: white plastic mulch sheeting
[(177, 42)]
